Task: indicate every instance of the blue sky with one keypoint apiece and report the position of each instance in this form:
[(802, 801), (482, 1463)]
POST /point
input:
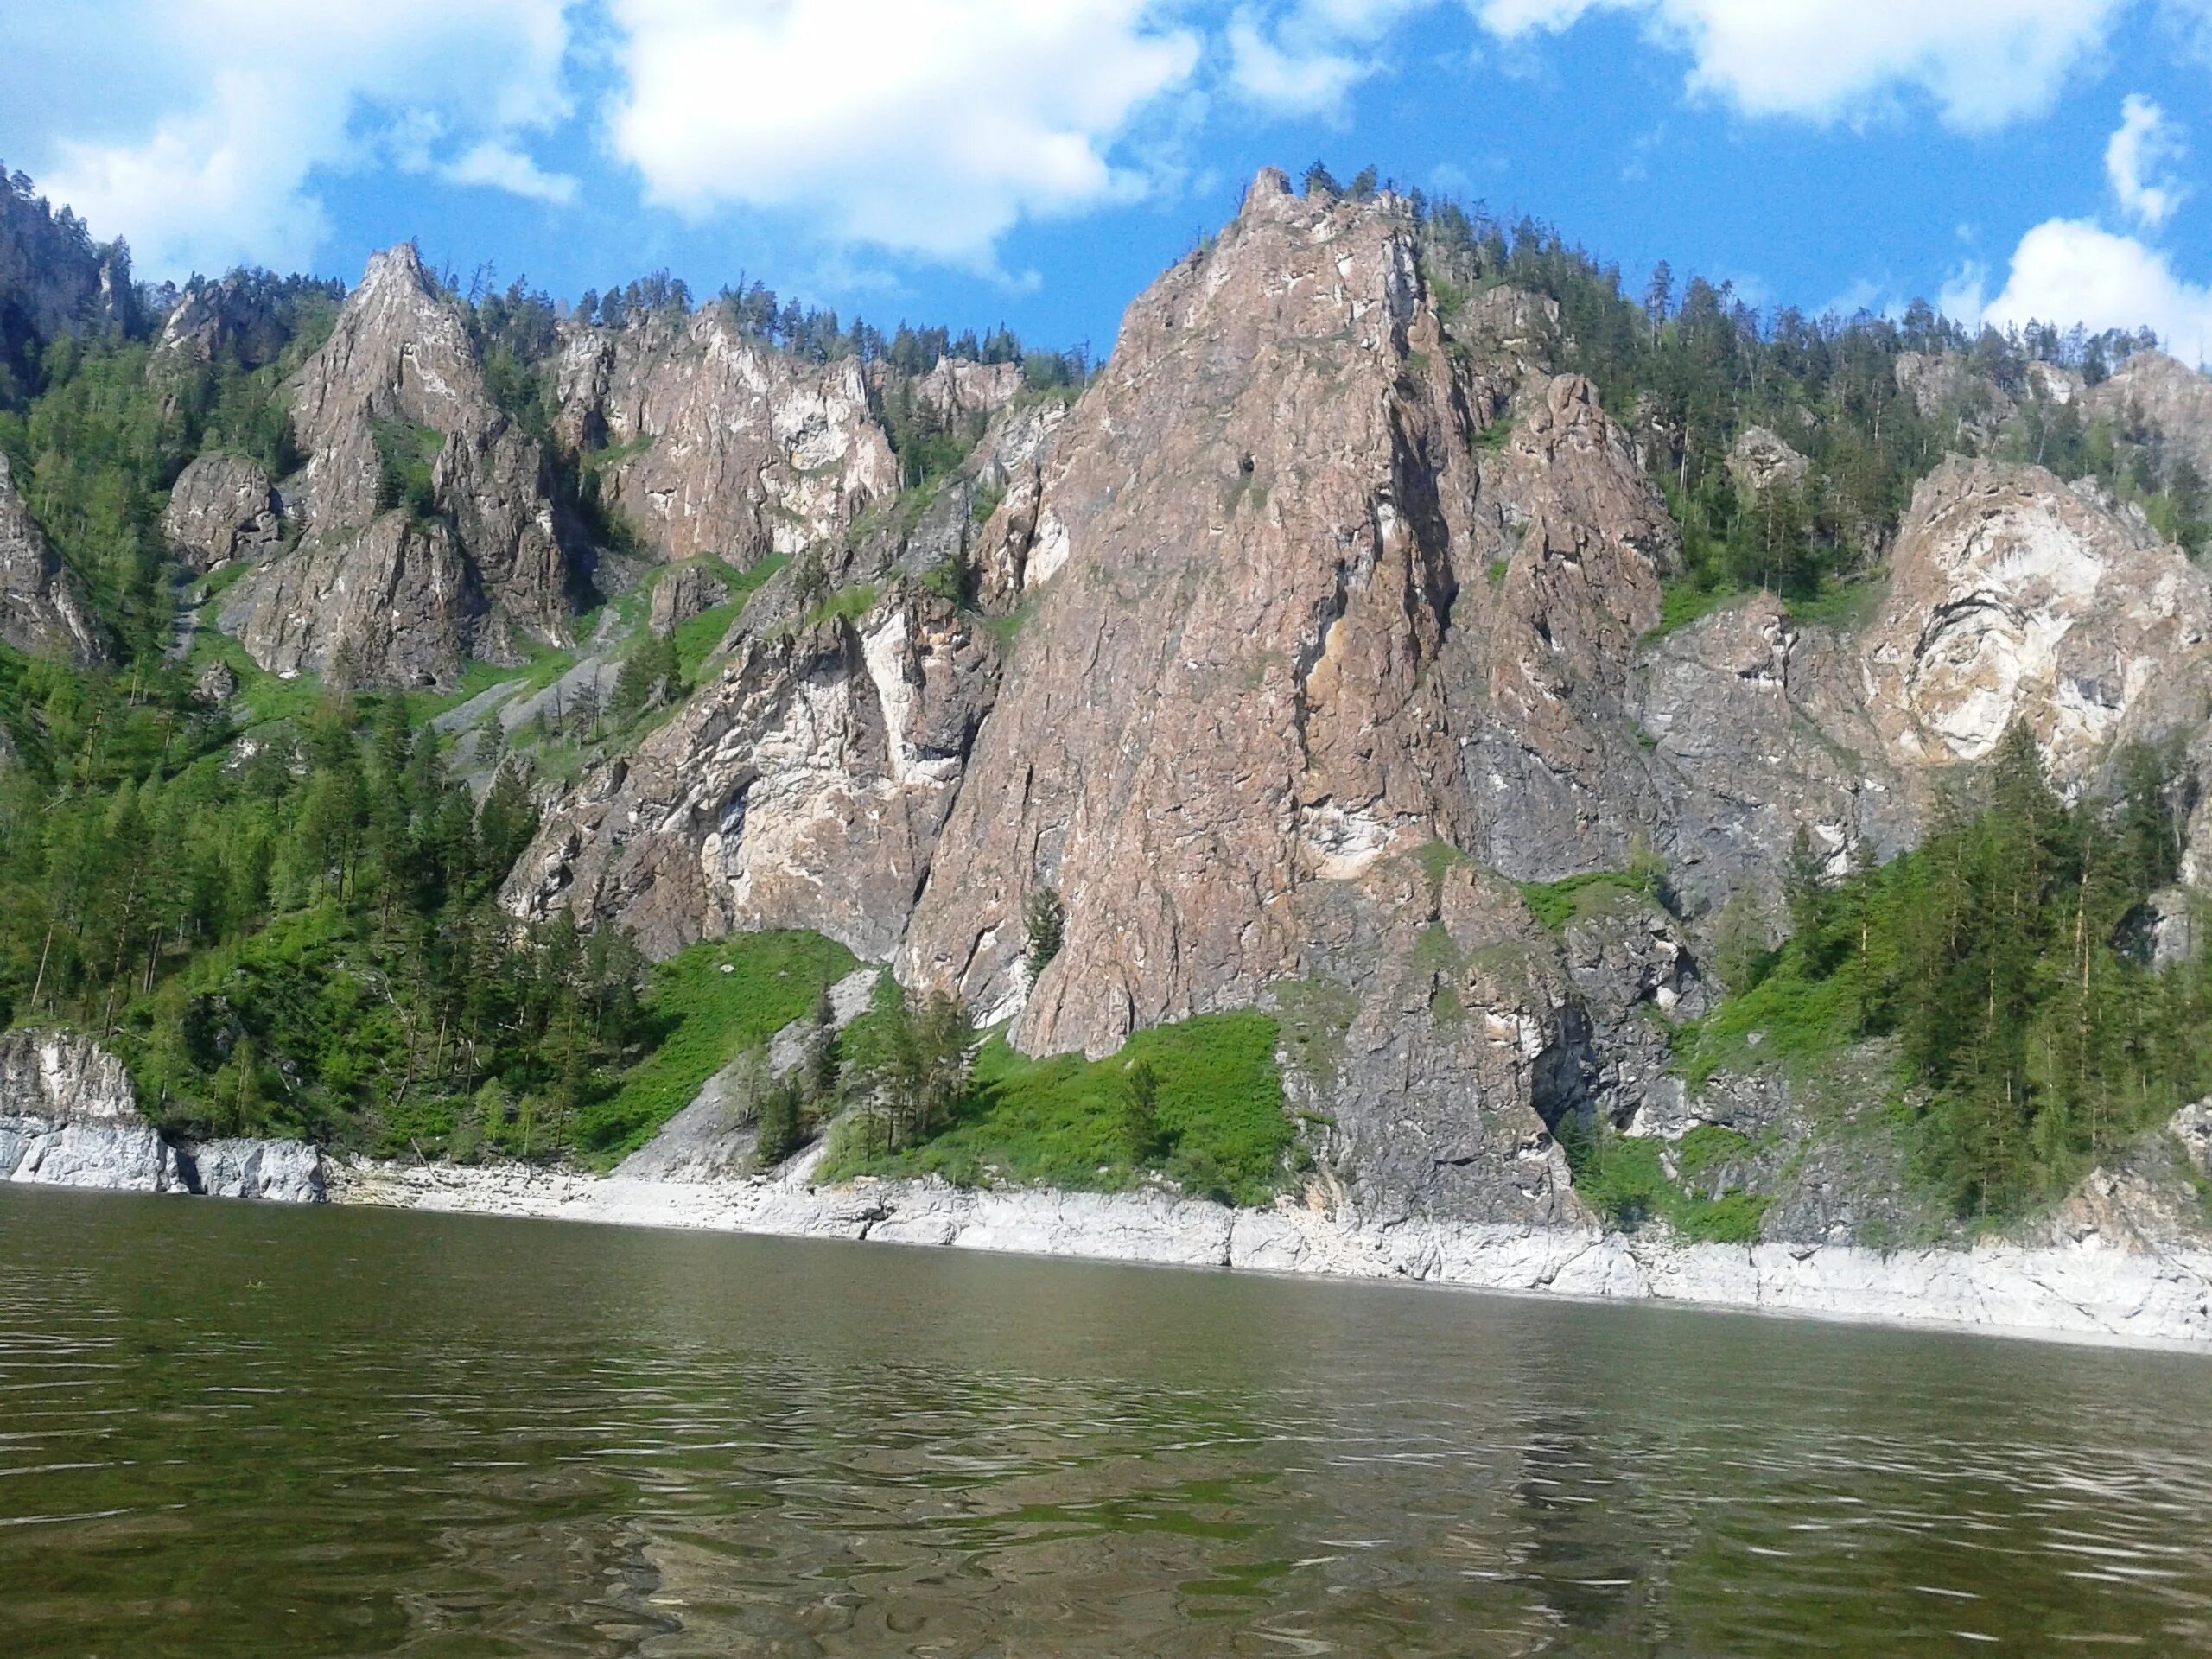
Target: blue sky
[(980, 161)]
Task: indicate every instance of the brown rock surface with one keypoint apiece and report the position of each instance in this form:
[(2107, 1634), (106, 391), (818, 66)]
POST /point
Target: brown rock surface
[(710, 444), (397, 601)]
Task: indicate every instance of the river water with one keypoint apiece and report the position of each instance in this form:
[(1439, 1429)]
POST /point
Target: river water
[(235, 1429)]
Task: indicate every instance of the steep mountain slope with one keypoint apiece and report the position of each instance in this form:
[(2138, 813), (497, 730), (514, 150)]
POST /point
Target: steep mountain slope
[(478, 557), (710, 444), (1359, 653), (1320, 620)]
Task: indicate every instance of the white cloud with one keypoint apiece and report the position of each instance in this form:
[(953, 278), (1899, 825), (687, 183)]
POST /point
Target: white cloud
[(500, 165), (2069, 270), (2145, 145), (1985, 62), (1286, 80), (234, 105), (1306, 60), (928, 126)]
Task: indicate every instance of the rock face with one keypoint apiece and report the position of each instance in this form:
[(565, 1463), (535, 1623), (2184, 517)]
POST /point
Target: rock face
[(275, 1172), (1760, 461), (68, 1117), (53, 279), (404, 593), (222, 507), (709, 443), (1284, 680), (957, 389), (2155, 396), (686, 591), (2013, 597), (1289, 653), (804, 789), (43, 610)]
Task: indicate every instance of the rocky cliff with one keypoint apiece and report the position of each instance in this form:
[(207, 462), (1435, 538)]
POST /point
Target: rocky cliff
[(431, 531), (69, 1117), (1314, 626), (43, 608), (707, 443)]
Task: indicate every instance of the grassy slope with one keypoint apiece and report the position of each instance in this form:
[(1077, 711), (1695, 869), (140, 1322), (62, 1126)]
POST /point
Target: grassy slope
[(1060, 1121), (709, 1018)]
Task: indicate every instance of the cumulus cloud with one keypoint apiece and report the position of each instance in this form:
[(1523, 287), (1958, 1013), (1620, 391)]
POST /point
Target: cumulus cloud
[(2069, 270), (926, 126), (500, 165), (2145, 145), (1983, 62), (230, 106), (1306, 57)]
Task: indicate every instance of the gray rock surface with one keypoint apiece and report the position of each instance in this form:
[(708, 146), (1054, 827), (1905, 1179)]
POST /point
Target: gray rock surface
[(44, 610), (222, 507), (68, 1117), (277, 1171)]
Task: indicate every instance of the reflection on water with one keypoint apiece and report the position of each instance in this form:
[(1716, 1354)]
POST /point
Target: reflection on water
[(226, 1429)]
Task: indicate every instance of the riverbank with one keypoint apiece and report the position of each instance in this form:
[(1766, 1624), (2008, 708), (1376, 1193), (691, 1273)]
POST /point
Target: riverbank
[(2087, 1292)]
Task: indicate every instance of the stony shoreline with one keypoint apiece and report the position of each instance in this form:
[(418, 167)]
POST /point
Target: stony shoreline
[(2089, 1292)]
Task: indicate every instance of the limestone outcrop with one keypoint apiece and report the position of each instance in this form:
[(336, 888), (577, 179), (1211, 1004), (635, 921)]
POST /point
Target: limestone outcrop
[(478, 556), (69, 1117), (708, 442)]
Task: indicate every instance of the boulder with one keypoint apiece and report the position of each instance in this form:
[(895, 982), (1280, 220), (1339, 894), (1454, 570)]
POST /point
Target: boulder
[(221, 507), (1761, 461)]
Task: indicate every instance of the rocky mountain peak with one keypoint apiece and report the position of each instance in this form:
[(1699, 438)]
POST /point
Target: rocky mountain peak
[(431, 531)]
